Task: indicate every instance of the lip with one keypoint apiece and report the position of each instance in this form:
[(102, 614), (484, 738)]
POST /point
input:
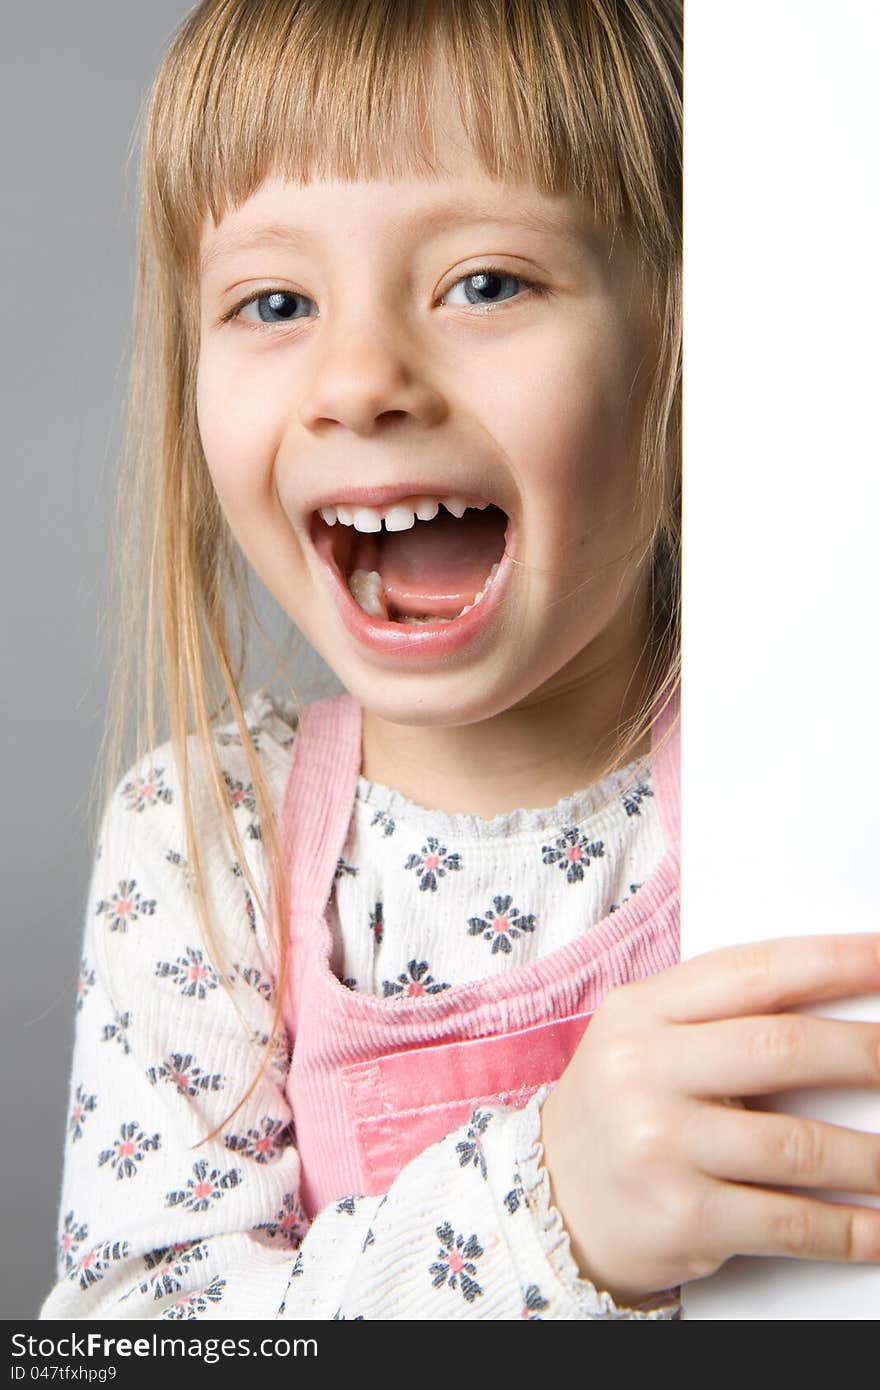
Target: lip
[(413, 643), (386, 496)]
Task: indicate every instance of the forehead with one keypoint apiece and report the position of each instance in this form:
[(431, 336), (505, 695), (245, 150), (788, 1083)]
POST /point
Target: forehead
[(299, 214)]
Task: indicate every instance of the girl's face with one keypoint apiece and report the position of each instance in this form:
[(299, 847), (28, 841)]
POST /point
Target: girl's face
[(432, 338)]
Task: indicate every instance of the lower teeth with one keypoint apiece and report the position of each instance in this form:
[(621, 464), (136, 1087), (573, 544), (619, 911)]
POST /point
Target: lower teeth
[(365, 587)]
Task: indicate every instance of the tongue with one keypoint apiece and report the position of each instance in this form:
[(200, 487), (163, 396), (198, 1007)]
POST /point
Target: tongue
[(438, 567)]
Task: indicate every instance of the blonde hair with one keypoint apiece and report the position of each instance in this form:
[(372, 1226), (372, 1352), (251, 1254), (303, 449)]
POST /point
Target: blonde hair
[(578, 96)]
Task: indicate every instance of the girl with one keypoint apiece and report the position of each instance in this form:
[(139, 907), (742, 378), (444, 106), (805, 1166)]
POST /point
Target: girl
[(361, 1033)]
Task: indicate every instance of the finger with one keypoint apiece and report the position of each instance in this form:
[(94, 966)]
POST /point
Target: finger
[(762, 977), (774, 1052), (752, 1221), (783, 1150)]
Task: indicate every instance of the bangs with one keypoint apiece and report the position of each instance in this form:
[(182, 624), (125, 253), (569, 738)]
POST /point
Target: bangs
[(571, 97)]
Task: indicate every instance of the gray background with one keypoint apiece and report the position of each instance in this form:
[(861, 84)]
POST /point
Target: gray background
[(73, 80)]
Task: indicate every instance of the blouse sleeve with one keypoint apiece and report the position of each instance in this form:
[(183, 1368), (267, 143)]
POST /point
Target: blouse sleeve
[(161, 1217)]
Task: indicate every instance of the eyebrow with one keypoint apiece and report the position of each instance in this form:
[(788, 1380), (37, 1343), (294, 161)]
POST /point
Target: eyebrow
[(229, 242), (567, 227)]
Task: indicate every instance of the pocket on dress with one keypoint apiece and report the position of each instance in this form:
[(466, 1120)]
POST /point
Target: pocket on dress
[(401, 1103)]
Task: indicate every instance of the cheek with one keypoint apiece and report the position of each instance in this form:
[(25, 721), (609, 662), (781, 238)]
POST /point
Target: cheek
[(239, 437), (567, 429), (241, 424)]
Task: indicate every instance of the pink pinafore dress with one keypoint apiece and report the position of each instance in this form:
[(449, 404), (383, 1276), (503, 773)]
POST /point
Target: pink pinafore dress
[(374, 1081)]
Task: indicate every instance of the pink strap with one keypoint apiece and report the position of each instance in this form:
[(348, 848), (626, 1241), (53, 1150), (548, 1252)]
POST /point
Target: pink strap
[(320, 792)]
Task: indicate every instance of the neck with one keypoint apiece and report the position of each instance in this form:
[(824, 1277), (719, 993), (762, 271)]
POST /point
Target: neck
[(558, 741)]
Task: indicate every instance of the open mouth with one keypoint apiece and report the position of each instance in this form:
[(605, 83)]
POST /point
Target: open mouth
[(417, 562)]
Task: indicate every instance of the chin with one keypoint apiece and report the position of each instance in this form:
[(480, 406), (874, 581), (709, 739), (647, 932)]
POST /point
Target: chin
[(440, 700)]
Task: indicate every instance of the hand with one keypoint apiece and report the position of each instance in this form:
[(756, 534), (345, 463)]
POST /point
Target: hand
[(659, 1171)]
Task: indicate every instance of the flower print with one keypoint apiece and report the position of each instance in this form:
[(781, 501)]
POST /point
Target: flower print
[(501, 925), (263, 1145), (517, 1197), (147, 791), (117, 1031), (377, 923), (248, 900), (206, 1186), (240, 794), (130, 1149), (84, 983), (225, 737), (350, 982), (191, 972), (346, 1204), (169, 1265), (634, 796), (174, 857), (295, 1272), (571, 851), (189, 1308), (633, 888), (412, 983), (180, 1070), (72, 1237), (343, 868), (83, 1105), (94, 1263), (470, 1150), (281, 1051), (290, 1223), (434, 862), (387, 822), (125, 906), (254, 977), (250, 909), (533, 1304), (455, 1263)]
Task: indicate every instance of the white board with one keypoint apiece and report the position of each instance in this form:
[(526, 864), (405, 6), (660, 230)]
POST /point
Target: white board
[(781, 695)]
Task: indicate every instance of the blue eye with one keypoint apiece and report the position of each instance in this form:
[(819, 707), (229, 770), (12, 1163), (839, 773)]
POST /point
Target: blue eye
[(485, 287), (287, 303)]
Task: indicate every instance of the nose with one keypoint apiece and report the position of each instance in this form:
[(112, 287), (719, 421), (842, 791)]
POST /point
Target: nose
[(365, 377)]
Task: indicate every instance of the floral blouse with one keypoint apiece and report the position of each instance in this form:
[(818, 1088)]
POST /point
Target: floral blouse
[(158, 1222)]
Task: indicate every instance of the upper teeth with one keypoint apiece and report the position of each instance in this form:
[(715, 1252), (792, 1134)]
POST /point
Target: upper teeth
[(398, 517)]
